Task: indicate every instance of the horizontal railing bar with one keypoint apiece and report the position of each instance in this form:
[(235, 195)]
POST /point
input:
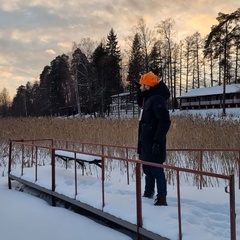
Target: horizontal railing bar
[(130, 147), (135, 161)]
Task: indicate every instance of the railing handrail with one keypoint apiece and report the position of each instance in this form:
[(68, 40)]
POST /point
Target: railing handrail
[(126, 146), (53, 148)]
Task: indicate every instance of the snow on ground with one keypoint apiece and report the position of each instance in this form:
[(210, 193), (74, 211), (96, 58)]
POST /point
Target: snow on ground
[(216, 113), (205, 213), (26, 217)]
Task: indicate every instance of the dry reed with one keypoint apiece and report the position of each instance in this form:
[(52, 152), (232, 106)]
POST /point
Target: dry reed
[(185, 132)]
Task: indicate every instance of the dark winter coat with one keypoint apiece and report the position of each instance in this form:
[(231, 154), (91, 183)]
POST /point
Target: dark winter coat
[(154, 123)]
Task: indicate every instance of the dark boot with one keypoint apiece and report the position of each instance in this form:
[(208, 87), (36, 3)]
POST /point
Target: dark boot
[(148, 195), (161, 201)]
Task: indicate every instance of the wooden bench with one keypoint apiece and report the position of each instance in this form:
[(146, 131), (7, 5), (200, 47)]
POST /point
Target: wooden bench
[(80, 158)]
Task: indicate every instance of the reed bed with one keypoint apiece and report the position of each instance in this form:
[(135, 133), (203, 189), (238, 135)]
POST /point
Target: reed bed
[(185, 132), (96, 130)]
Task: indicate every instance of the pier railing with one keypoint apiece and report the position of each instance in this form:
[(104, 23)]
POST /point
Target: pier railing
[(26, 153)]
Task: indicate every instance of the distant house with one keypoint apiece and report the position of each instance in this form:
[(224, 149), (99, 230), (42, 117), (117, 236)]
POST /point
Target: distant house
[(124, 104), (212, 97)]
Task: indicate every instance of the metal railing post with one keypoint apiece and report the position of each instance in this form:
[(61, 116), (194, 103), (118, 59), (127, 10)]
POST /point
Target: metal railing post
[(75, 174), (103, 178), (139, 199), (22, 159), (239, 170), (53, 176), (179, 207), (127, 167), (10, 164), (200, 169), (36, 163), (32, 148), (232, 208)]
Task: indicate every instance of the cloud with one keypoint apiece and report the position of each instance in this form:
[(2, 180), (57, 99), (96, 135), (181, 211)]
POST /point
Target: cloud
[(50, 51), (33, 32), (9, 6), (5, 74), (65, 45)]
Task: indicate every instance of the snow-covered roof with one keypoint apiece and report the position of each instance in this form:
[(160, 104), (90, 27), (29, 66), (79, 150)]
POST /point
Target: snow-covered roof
[(216, 90), (121, 94)]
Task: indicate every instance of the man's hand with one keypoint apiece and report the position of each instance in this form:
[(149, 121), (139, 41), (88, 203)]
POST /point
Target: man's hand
[(156, 150)]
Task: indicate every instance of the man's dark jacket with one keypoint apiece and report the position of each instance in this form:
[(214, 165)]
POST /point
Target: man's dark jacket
[(154, 123)]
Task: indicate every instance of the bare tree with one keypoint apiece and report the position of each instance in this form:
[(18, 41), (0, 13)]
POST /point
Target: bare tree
[(5, 102), (86, 45), (167, 33), (147, 39)]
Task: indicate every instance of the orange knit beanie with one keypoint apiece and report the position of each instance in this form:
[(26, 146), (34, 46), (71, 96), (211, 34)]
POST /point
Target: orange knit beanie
[(149, 79)]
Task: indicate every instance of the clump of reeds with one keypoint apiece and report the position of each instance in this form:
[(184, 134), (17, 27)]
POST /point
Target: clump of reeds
[(203, 132), (185, 132), (97, 130)]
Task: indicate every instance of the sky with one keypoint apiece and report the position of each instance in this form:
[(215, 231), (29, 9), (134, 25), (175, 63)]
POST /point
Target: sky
[(33, 33), (205, 213)]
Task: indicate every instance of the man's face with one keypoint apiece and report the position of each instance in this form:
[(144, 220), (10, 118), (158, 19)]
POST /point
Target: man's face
[(144, 87)]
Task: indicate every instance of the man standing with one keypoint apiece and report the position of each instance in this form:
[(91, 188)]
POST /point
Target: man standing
[(154, 123)]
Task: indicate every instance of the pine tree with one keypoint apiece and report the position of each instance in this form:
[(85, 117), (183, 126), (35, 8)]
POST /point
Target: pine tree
[(136, 64), (106, 62), (59, 78), (114, 80), (156, 58), (101, 72), (19, 107), (42, 100)]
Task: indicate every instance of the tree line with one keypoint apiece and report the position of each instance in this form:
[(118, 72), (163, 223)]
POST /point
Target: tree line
[(84, 80)]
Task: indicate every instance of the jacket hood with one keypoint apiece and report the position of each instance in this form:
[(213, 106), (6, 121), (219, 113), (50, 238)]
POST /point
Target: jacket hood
[(160, 89)]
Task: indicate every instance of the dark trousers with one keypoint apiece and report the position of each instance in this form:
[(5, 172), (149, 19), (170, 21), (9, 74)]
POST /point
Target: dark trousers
[(155, 174)]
